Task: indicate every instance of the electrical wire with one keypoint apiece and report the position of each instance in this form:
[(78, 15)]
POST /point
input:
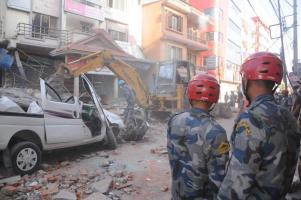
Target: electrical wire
[(288, 3), (252, 8), (274, 8)]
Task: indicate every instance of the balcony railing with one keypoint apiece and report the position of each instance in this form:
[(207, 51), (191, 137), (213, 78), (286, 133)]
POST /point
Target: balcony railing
[(43, 33), (194, 37)]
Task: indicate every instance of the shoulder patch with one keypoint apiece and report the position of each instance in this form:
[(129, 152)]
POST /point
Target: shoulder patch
[(223, 148), (245, 126)]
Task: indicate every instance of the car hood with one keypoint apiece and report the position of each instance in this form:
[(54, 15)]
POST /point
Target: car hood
[(114, 119)]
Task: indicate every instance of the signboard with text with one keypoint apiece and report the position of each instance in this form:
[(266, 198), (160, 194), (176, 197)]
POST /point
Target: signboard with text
[(84, 10)]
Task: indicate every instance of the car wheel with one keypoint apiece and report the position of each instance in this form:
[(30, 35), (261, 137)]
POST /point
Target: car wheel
[(26, 157), (111, 139)]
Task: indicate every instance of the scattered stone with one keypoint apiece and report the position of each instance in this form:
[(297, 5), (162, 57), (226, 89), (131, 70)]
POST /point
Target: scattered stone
[(103, 154), (133, 143), (164, 189), (41, 172), (83, 172), (64, 186), (51, 178), (88, 191), (52, 188), (11, 180), (65, 163), (65, 195), (97, 196), (9, 190), (34, 183), (148, 179), (22, 197), (159, 151), (25, 177), (103, 186), (115, 152), (123, 186), (45, 166), (35, 195)]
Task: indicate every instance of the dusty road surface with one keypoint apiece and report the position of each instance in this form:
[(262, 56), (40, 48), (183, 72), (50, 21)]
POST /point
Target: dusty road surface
[(135, 171)]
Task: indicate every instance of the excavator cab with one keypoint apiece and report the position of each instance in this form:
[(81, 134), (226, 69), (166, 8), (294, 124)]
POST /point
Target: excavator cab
[(171, 84)]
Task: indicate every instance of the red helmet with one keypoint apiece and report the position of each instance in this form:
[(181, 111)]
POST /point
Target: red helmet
[(203, 87), (262, 66)]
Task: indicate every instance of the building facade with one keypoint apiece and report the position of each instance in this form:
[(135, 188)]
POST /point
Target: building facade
[(256, 35), (171, 31), (36, 27), (224, 36)]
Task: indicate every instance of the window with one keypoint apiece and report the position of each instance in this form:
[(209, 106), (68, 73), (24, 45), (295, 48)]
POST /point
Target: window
[(174, 22), (116, 35), (41, 25), (117, 30), (233, 52), (215, 13), (214, 36), (175, 53), (110, 3), (212, 62), (192, 58), (117, 4), (86, 27)]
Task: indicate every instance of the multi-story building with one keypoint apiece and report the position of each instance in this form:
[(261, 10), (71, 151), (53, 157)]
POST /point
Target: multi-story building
[(256, 35), (36, 27), (223, 34), (171, 31)]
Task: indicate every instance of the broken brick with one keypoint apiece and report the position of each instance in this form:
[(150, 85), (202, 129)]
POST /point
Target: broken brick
[(9, 190)]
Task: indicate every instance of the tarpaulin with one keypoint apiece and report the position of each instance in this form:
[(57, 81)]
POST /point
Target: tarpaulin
[(6, 60)]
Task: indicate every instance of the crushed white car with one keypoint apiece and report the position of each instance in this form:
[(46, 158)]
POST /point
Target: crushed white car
[(52, 124)]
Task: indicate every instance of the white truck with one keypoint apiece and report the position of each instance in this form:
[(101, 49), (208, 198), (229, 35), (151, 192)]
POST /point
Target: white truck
[(61, 124)]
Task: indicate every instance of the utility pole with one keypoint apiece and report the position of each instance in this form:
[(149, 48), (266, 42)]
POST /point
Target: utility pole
[(295, 41), (282, 55)]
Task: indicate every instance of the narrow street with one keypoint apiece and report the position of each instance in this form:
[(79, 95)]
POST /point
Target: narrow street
[(136, 170)]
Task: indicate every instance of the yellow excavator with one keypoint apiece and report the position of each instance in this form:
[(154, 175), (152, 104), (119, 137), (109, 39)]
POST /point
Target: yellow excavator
[(170, 81)]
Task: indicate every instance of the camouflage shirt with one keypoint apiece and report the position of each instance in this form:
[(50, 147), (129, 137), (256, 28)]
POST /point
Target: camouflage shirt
[(265, 144), (198, 151)]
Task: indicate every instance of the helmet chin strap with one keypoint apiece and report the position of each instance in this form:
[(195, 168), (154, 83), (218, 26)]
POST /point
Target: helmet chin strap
[(212, 107), (245, 90)]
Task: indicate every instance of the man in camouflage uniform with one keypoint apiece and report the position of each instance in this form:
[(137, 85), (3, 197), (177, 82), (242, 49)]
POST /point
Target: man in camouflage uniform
[(197, 145), (265, 140)]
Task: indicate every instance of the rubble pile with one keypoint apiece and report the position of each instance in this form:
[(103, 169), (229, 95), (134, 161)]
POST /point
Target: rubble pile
[(56, 182)]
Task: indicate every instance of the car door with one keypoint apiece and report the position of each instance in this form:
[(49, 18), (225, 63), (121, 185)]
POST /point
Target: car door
[(63, 123), (96, 100)]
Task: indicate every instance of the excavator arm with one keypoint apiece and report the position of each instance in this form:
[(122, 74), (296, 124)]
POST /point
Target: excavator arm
[(122, 70)]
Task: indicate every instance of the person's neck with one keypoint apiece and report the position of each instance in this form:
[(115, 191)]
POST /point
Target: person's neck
[(259, 93)]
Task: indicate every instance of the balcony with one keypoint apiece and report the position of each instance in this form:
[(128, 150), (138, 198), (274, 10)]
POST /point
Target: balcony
[(182, 6), (189, 39), (41, 36)]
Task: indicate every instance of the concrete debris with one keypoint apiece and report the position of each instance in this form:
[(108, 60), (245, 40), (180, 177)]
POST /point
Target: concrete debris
[(159, 151), (10, 180), (103, 186), (65, 163), (97, 196), (9, 190), (164, 189), (65, 195)]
